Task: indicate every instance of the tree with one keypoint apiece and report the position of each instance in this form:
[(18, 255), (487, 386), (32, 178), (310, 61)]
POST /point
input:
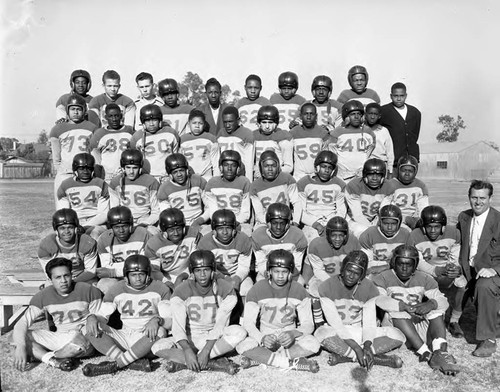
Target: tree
[(193, 89), (451, 128), (7, 143), (43, 138)]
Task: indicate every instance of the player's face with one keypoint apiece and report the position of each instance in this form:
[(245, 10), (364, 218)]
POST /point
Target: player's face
[(321, 94), (336, 238), (122, 231), (152, 125), (175, 234), (252, 88), (351, 274), (225, 234), (279, 276), (308, 116), (80, 85), (137, 279), (84, 173), (270, 169), (179, 175), (61, 280), (480, 200), (374, 180), (278, 227), (325, 171), (389, 226), (267, 126), (203, 276), (114, 118), (111, 87), (230, 122), (355, 118), (132, 171), (229, 170), (75, 113), (433, 231), (67, 233), (398, 97), (406, 174), (288, 92), (171, 99), (358, 83), (196, 125), (145, 88), (213, 95), (404, 268), (372, 116)]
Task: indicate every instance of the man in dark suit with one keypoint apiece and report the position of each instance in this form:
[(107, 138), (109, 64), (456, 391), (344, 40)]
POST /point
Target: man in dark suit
[(480, 261), (403, 122), (213, 108)]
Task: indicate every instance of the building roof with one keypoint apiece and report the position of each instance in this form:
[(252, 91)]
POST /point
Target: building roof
[(445, 147)]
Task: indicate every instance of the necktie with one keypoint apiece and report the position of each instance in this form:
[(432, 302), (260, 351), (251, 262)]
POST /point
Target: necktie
[(474, 240)]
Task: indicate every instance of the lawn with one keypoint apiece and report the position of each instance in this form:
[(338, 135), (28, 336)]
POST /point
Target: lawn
[(26, 208)]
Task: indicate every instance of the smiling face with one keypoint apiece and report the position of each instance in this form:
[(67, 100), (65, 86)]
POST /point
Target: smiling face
[(80, 85), (321, 94), (66, 234), (480, 200)]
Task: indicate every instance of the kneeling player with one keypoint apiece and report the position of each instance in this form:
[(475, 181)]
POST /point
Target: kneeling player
[(200, 309), (416, 307), (284, 338), (145, 311), (71, 305)]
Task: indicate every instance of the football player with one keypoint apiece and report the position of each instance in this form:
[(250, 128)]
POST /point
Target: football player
[(155, 142), (201, 308), (80, 83), (86, 194), (71, 306), (321, 195), (416, 307), (144, 309), (351, 333), (175, 113), (358, 79), (384, 148), (378, 242), (287, 101), (147, 96), (283, 336), (329, 110), (249, 106)]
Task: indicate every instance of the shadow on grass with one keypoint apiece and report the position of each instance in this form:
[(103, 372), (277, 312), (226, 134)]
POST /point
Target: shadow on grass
[(360, 375)]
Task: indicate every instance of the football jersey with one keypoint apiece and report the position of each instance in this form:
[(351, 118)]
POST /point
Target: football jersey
[(98, 106), (384, 148), (278, 309), (321, 200), (107, 146), (264, 243), (240, 140), (83, 253), (411, 198), (69, 139), (140, 195), (177, 117), (363, 201), (353, 147), (378, 247), (89, 200), (445, 249), (136, 307), (366, 97), (329, 113), (139, 104), (307, 143), (201, 152), (289, 109), (231, 195), (280, 142), (62, 103), (233, 258), (158, 146), (248, 111), (187, 197), (113, 252), (204, 311), (282, 190), (326, 260)]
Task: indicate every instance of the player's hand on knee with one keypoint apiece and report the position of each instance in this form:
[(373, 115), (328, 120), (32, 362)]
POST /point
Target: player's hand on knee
[(286, 339), (425, 307), (453, 271), (151, 329), (203, 357), (191, 360), (270, 342), (20, 358)]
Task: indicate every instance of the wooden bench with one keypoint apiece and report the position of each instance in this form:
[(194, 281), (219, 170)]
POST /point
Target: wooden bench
[(26, 277)]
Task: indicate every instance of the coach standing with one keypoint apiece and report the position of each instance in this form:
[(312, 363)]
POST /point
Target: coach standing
[(480, 261)]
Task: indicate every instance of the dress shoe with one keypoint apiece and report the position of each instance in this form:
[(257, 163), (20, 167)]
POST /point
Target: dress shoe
[(455, 330), (485, 349)]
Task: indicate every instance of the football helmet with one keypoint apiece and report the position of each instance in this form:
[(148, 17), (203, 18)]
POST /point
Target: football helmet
[(390, 211), (131, 156), (65, 216), (200, 259), (326, 157), (278, 211), (356, 257), (433, 214), (167, 86), (357, 69), (76, 100), (322, 81), (374, 166), (351, 106), (83, 159), (268, 112), (137, 263), (150, 112), (408, 160), (337, 223), (288, 79), (230, 155), (77, 73), (120, 215), (171, 217), (404, 251), (280, 258), (223, 218), (175, 161)]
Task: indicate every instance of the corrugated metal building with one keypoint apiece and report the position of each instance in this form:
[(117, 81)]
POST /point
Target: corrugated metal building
[(458, 160)]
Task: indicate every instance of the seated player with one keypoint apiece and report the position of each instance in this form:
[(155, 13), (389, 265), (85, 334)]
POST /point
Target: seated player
[(287, 101), (136, 190), (321, 196), (144, 309), (199, 146), (416, 307), (358, 79), (378, 242), (308, 139), (147, 96), (169, 250), (230, 190), (121, 240), (200, 309), (268, 137), (80, 83), (329, 110), (67, 242), (108, 143), (278, 320), (384, 148), (273, 186), (407, 192), (183, 190), (365, 194), (86, 194), (353, 143), (351, 333), (175, 113), (154, 141), (438, 247), (249, 106), (71, 306), (278, 234)]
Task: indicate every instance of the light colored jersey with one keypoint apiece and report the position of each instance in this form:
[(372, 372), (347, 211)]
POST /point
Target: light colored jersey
[(411, 198), (233, 196), (307, 143), (201, 152), (329, 113), (289, 110), (248, 111), (366, 97), (240, 140), (280, 142), (98, 106), (177, 117), (378, 247), (384, 149), (364, 202)]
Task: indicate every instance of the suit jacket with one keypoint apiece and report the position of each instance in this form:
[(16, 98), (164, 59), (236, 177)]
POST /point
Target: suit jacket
[(488, 249), (215, 124)]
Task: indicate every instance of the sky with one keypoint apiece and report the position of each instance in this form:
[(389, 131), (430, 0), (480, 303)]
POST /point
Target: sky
[(443, 51)]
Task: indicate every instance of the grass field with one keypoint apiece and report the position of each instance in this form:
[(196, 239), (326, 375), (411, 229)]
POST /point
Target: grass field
[(25, 210)]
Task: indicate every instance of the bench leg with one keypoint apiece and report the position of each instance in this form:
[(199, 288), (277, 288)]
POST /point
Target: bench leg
[(5, 314)]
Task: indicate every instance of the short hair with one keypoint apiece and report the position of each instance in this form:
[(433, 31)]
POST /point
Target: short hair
[(308, 104), (479, 184), (212, 82), (112, 106), (231, 110), (398, 85), (373, 105), (196, 113), (253, 77), (144, 76), (58, 262), (110, 74)]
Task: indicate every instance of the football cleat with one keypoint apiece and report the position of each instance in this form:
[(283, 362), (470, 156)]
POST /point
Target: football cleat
[(64, 364), (392, 361), (335, 359), (444, 362), (222, 365), (173, 367), (302, 364), (424, 357), (246, 363), (99, 369), (455, 330), (142, 365)]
